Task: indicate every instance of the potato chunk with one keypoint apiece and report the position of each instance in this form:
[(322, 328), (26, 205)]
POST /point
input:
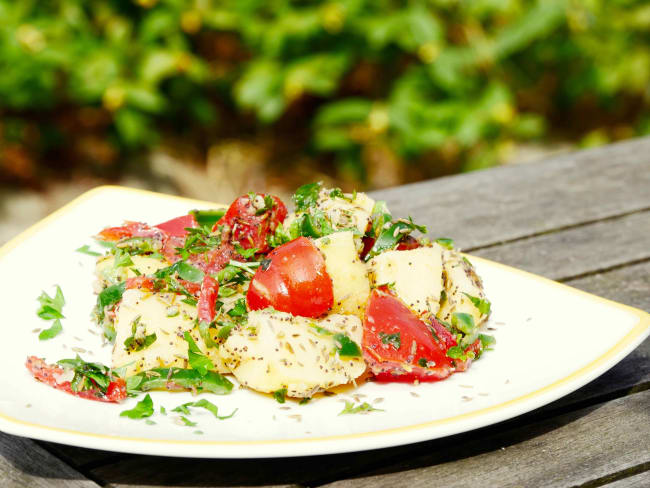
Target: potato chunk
[(165, 315), (460, 280), (349, 274), (415, 275), (278, 350)]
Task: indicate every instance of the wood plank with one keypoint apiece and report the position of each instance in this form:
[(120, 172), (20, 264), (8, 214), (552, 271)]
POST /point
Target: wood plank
[(640, 480), (629, 285), (24, 464), (565, 451), (576, 251), (511, 202)]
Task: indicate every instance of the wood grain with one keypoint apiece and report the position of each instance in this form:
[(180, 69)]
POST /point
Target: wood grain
[(629, 285), (24, 464), (640, 480), (511, 202), (568, 450), (573, 252)]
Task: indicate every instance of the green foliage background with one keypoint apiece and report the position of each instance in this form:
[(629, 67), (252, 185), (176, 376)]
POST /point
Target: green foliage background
[(442, 83)]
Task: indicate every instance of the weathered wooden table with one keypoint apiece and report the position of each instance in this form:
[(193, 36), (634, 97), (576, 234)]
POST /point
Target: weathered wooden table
[(583, 219)]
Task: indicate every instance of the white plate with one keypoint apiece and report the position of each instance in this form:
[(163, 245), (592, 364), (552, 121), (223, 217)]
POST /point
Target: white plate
[(551, 339)]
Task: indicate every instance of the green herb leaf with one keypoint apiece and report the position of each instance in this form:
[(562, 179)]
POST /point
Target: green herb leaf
[(212, 408), (245, 253), (306, 196), (422, 362), (204, 330), (52, 332), (51, 308), (207, 218), (133, 343), (184, 271), (188, 422), (456, 352), (200, 363), (225, 330), (394, 340), (483, 304), (239, 309), (391, 236), (445, 242), (175, 378), (463, 322), (143, 408), (280, 395), (183, 408), (487, 340), (85, 249), (122, 259), (361, 408), (84, 372), (108, 297), (346, 347)]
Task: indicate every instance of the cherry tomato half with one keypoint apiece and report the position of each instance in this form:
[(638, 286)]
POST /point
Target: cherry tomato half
[(250, 220), (398, 346), (292, 279)]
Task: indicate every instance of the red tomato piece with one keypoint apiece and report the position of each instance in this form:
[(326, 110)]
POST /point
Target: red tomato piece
[(207, 299), (214, 260), (51, 374), (292, 279), (130, 229), (140, 283), (176, 227), (246, 226), (443, 334), (398, 346), (408, 243)]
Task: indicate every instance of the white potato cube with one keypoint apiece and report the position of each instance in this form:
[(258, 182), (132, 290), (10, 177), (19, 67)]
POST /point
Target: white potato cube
[(349, 274), (165, 315), (415, 275), (278, 350)]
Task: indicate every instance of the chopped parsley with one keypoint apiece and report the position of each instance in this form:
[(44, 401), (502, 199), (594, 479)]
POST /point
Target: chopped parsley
[(108, 297), (345, 346), (280, 395), (483, 304), (87, 375), (394, 340), (187, 422), (142, 409), (175, 378), (361, 408), (306, 196), (205, 404), (122, 259), (184, 271), (52, 332), (207, 218), (445, 242), (198, 362), (85, 249), (245, 253), (136, 342), (487, 341), (390, 234), (198, 241), (51, 308)]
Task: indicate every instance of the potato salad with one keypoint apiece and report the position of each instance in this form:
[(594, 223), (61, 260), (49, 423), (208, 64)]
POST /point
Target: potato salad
[(291, 304)]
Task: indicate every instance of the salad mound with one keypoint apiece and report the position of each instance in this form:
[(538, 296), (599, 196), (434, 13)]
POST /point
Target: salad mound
[(291, 304)]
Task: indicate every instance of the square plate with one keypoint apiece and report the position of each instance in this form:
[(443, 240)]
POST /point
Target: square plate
[(529, 367)]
